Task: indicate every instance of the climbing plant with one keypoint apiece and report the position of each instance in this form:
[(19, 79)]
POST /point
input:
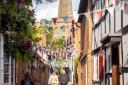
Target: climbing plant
[(17, 20)]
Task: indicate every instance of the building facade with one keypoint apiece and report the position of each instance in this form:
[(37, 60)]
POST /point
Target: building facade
[(108, 43), (85, 59), (108, 62)]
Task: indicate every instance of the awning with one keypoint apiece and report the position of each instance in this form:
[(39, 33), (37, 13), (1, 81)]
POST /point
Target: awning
[(111, 39)]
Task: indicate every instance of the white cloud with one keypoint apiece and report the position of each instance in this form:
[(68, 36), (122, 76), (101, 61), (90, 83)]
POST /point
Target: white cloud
[(75, 6), (46, 10), (50, 9)]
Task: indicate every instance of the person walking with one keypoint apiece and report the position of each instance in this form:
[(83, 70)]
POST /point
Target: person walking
[(27, 80), (53, 79), (63, 78)]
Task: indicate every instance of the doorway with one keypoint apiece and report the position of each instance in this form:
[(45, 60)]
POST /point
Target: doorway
[(115, 65)]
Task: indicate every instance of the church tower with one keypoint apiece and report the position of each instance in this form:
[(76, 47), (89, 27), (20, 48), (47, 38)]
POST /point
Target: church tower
[(65, 8)]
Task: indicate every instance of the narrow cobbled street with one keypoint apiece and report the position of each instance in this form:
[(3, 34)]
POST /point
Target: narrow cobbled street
[(63, 42)]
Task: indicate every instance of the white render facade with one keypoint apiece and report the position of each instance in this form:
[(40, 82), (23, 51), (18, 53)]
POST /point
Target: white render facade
[(111, 35), (125, 56)]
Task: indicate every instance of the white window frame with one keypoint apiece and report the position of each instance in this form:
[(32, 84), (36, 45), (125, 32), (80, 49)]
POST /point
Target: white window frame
[(96, 67), (1, 59), (9, 72)]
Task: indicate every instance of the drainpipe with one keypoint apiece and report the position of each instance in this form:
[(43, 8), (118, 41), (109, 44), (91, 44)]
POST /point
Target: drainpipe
[(122, 45), (122, 61)]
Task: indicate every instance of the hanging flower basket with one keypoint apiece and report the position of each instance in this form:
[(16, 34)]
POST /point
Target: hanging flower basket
[(26, 44)]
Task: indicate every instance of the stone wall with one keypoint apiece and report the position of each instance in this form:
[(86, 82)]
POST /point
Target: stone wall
[(65, 8)]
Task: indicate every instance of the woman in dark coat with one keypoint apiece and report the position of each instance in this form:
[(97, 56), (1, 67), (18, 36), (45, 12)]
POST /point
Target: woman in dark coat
[(63, 78), (27, 80)]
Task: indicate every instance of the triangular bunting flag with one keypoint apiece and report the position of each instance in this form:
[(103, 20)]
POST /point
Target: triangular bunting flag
[(99, 13), (104, 2), (75, 16), (61, 49), (52, 52), (63, 54), (87, 15), (54, 20), (66, 19), (39, 52), (71, 29), (125, 8), (97, 17), (117, 2), (95, 2), (111, 10), (73, 23)]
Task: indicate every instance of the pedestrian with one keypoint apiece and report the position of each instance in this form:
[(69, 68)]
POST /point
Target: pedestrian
[(53, 79), (63, 78), (27, 80)]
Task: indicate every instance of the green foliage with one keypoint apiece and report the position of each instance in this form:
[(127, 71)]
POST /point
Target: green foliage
[(58, 68), (49, 37), (16, 24), (48, 30), (18, 55), (58, 43), (36, 34)]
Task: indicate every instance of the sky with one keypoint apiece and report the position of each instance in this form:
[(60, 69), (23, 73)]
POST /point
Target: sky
[(75, 6), (48, 10)]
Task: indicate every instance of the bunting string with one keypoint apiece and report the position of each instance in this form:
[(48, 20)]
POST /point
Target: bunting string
[(56, 53), (95, 11), (66, 17)]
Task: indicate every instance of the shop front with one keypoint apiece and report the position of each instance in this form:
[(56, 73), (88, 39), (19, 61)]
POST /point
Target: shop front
[(113, 59)]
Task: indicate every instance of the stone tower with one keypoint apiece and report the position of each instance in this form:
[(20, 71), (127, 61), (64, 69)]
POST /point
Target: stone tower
[(65, 8)]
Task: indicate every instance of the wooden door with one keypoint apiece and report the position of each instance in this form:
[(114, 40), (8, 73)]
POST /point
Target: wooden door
[(115, 65)]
